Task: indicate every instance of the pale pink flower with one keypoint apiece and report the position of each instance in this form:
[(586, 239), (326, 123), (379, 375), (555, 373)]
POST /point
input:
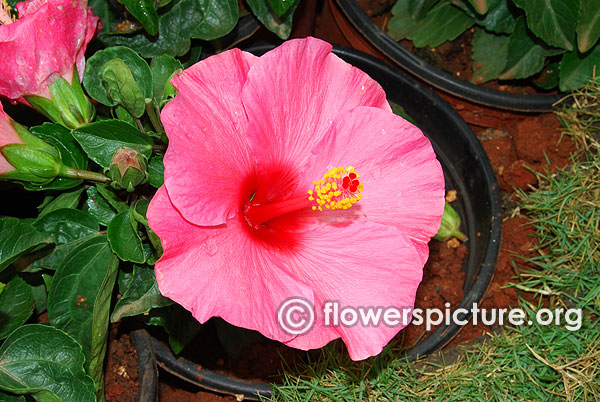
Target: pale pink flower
[(247, 138), (47, 41)]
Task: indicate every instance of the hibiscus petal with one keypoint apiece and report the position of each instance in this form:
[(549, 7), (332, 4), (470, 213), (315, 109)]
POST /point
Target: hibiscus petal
[(221, 272), (49, 37), (208, 156), (362, 264), (403, 181), (295, 92)]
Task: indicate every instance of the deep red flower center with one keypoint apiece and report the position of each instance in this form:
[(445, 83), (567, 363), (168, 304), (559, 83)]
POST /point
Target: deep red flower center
[(338, 189)]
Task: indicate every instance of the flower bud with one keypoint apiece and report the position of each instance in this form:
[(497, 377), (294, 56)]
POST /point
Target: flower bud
[(450, 227), (29, 158), (128, 168)]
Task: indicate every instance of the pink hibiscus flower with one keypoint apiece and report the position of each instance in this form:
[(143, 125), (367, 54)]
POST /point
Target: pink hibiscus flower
[(46, 42), (288, 176)]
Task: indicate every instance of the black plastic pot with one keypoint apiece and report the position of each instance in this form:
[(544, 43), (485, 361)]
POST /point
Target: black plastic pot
[(466, 168), (436, 77)]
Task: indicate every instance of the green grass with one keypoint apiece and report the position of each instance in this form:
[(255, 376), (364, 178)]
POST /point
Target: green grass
[(524, 363)]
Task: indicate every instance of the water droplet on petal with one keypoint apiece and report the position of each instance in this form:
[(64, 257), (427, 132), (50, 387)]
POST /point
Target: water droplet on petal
[(210, 246)]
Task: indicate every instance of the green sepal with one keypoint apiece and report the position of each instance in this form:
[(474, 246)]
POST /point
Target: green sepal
[(450, 226)]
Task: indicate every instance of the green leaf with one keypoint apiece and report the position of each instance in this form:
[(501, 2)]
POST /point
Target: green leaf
[(106, 10), (179, 323), (79, 299), (18, 238), (548, 78), (16, 305), (281, 6), (56, 258), (145, 12), (46, 363), (481, 6), (124, 239), (577, 70), (98, 207), (111, 197), (279, 25), (94, 81), (65, 200), (588, 28), (163, 67), (141, 296), (416, 9), (100, 140), (525, 57), (156, 171), (402, 23), (442, 23), (553, 21), (70, 152), (499, 17), (184, 19), (489, 55), (122, 88), (67, 225), (11, 398)]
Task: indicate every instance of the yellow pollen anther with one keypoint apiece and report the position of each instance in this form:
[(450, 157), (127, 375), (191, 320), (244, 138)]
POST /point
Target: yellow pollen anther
[(6, 16), (339, 189)]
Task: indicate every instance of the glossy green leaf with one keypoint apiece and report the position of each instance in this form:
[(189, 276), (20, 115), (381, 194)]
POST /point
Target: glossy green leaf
[(500, 18), (156, 171), (56, 258), (93, 79), (182, 20), (525, 56), (106, 10), (46, 363), (79, 299), (588, 28), (548, 78), (100, 140), (141, 296), (416, 9), (576, 70), (442, 23), (67, 225), (16, 305), (163, 67), (279, 25), (11, 397), (65, 200), (481, 6), (98, 207), (124, 239), (145, 12), (489, 55), (18, 238), (122, 88), (553, 21), (402, 23), (281, 6), (179, 323), (110, 196)]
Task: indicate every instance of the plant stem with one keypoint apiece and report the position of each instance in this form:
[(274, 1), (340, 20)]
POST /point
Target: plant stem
[(154, 119), (79, 174)]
